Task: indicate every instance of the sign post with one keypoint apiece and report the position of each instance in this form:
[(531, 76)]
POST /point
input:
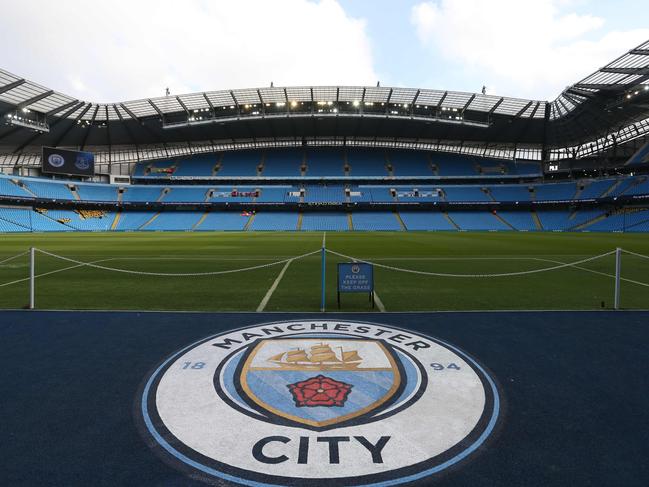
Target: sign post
[(356, 277)]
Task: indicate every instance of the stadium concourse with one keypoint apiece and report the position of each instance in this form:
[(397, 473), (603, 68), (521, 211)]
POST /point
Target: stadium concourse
[(495, 247)]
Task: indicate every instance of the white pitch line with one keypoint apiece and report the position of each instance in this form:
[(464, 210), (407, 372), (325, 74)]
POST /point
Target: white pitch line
[(324, 239), (271, 290), (378, 302), (612, 276)]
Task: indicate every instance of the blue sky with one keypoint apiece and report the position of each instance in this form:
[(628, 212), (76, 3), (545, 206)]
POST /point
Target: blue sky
[(123, 49), (401, 58)]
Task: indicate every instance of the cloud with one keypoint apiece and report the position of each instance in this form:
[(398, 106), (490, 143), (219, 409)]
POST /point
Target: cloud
[(528, 49), (108, 51)]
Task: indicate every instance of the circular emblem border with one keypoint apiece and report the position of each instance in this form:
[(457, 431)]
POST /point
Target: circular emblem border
[(208, 468), (60, 160)]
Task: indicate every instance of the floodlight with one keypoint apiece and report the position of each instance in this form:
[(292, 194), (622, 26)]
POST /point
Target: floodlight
[(293, 104), (355, 103)]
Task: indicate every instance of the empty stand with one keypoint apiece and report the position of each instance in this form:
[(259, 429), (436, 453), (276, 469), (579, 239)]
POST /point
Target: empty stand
[(324, 194), (366, 162), (275, 221), (223, 220), (410, 163), (333, 221), (325, 162), (425, 221), (477, 220), (376, 220)]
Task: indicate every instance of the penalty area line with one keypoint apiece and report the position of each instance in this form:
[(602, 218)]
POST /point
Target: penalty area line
[(272, 288)]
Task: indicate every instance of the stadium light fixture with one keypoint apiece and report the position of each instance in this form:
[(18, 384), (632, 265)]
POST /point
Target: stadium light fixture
[(356, 103), (293, 104)]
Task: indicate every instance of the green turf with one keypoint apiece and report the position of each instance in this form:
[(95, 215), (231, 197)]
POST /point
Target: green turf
[(299, 290)]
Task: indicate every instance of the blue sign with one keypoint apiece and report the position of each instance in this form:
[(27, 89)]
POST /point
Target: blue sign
[(355, 277)]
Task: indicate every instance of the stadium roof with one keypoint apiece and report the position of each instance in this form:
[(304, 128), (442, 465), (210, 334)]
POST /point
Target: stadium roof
[(22, 93), (613, 97), (627, 74)]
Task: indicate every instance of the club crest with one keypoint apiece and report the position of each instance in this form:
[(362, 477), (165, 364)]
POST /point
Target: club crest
[(315, 402), (319, 383)]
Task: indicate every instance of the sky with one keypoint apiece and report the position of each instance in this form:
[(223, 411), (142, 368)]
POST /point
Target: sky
[(111, 51)]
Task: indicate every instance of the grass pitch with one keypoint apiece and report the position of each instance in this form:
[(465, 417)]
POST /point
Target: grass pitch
[(62, 285)]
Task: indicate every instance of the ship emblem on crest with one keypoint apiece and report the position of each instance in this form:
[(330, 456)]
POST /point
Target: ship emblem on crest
[(319, 357), (319, 384)]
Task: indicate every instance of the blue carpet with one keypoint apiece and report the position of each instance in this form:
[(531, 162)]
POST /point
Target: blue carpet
[(574, 384)]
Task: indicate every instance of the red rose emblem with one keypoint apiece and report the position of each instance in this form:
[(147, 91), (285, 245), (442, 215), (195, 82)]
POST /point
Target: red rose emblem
[(320, 391)]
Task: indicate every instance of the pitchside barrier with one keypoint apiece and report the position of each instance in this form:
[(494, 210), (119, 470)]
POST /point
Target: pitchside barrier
[(354, 276)]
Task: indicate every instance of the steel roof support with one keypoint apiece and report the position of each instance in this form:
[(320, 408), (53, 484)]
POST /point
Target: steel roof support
[(182, 104), (89, 128), (147, 129), (128, 131), (110, 152), (209, 103), (496, 105), (640, 71), (11, 86), (34, 99), (522, 110), (62, 107), (441, 100), (34, 137), (77, 118), (155, 107), (236, 104)]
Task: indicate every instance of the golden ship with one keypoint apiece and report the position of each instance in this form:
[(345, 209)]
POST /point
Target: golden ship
[(318, 357)]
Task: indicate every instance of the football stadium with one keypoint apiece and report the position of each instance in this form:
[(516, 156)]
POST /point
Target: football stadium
[(326, 285)]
